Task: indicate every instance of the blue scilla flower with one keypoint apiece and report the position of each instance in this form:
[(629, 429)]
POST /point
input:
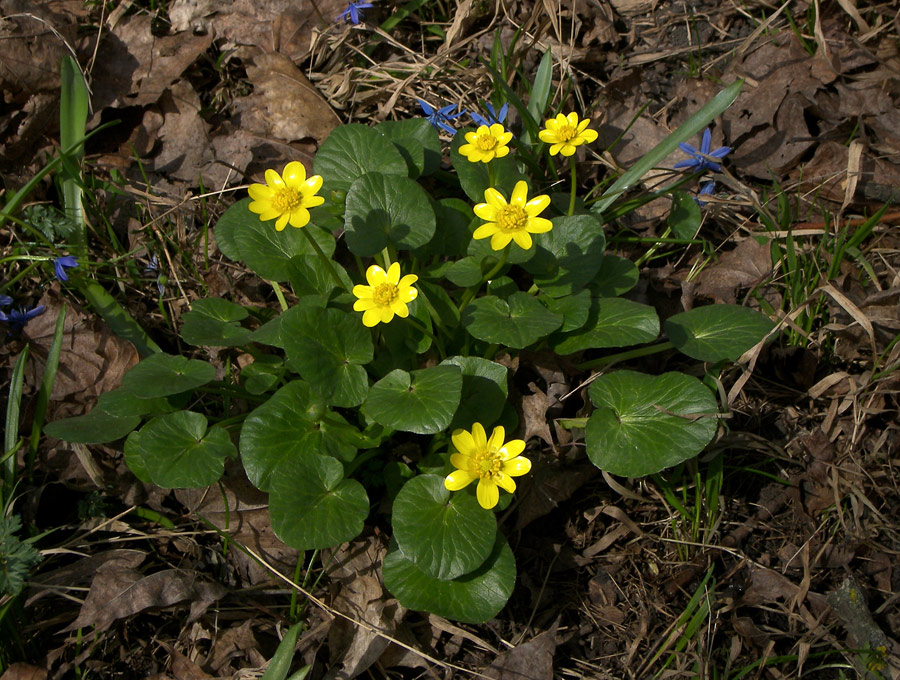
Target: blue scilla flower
[(17, 318), (493, 116), (61, 264), (5, 300), (706, 189), (352, 13), (442, 117), (699, 160)]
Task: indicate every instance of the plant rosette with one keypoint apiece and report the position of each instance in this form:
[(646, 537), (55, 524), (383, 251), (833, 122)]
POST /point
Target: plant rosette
[(388, 336)]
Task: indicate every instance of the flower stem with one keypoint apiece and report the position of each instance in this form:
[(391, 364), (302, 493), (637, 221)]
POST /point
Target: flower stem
[(328, 263), (470, 292), (434, 338), (574, 186), (491, 177), (624, 356)]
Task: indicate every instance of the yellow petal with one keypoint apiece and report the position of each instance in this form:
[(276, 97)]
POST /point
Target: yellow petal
[(312, 185), (364, 304), (537, 205), (522, 239), (259, 192), (494, 198), (572, 119), (386, 314), (500, 240), (589, 136), (393, 273), (471, 138), (486, 230), (371, 317), (496, 440), (519, 193), (538, 225), (567, 149), (361, 291), (479, 436), (281, 222), (547, 136), (299, 217), (502, 152), (459, 479), (407, 280), (273, 179), (511, 449), (463, 442), (556, 148), (294, 175), (485, 211), (461, 461), (400, 309), (505, 482), (487, 493), (375, 275), (516, 467)]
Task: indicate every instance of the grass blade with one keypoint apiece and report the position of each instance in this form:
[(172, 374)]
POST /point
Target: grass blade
[(73, 111), (10, 439), (119, 320), (43, 396)]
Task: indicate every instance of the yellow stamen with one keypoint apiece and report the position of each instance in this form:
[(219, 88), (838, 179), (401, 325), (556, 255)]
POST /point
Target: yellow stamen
[(485, 142), (565, 132), (286, 200), (385, 294), (486, 464), (511, 218)]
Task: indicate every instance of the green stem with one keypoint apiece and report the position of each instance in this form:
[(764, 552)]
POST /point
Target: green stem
[(471, 291), (624, 356), (434, 338), (280, 295), (328, 263), (491, 177), (297, 570), (574, 186)]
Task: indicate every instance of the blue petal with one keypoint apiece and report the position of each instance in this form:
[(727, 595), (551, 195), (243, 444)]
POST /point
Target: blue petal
[(721, 152), (5, 300), (479, 119), (689, 163), (707, 140), (688, 149), (426, 108)]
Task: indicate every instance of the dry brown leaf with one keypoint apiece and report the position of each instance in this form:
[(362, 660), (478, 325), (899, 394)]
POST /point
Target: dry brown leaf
[(738, 269), (826, 175), (247, 521), (353, 648), (119, 592), (134, 67), (284, 105), (24, 671), (80, 573), (532, 660), (547, 486), (235, 641), (185, 147), (93, 359), (185, 669)]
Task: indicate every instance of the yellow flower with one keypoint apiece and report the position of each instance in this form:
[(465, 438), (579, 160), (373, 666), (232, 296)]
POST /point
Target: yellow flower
[(490, 461), (564, 133), (387, 294), (513, 221), (486, 143), (287, 196)]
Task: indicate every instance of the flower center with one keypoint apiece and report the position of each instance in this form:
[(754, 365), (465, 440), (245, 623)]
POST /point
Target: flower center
[(511, 218), (565, 132), (485, 142), (385, 294), (486, 464), (286, 200)]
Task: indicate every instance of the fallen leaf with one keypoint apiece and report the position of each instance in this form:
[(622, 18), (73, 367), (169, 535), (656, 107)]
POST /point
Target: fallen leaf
[(118, 592), (24, 671), (532, 660), (235, 641), (185, 147), (80, 573), (745, 266)]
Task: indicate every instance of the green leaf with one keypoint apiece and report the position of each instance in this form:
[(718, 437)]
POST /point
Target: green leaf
[(455, 218), (352, 151), (438, 303), (568, 256), (233, 220), (262, 374), (96, 427), (475, 597), (215, 322), (644, 424), (474, 177), (658, 153), (575, 309), (684, 218), (484, 391), (612, 322), (481, 250), (422, 401), (312, 506), (517, 322), (540, 92), (123, 401), (16, 557), (717, 332), (280, 663), (417, 141), (289, 426), (387, 209), (617, 276), (328, 348), (161, 374), (464, 272), (134, 457), (178, 451), (310, 276), (269, 333), (445, 535), (117, 318), (268, 251)]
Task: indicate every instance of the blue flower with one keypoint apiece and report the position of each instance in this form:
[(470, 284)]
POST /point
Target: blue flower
[(5, 300), (61, 264), (352, 13), (442, 117), (152, 269), (493, 116), (17, 318), (698, 159), (705, 190)]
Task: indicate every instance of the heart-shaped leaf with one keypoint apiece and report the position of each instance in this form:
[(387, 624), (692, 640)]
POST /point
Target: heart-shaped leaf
[(717, 332), (309, 275), (616, 277), (612, 322), (568, 256), (177, 451), (484, 391), (290, 425), (233, 220), (268, 251), (328, 348), (684, 218), (644, 423), (96, 427), (472, 598), (215, 322), (387, 209), (353, 150), (422, 401), (417, 141), (312, 506), (474, 177), (575, 309), (517, 322), (445, 535), (160, 375)]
